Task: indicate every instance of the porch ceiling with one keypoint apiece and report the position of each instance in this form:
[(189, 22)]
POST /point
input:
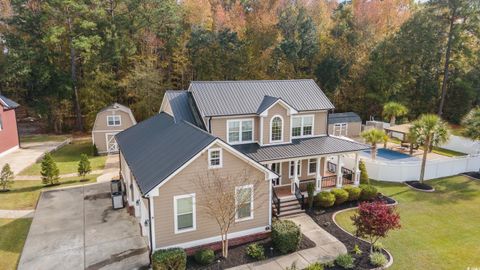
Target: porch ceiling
[(305, 147)]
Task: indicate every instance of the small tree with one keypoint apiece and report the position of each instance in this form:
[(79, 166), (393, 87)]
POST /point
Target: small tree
[(49, 172), (373, 220), (428, 130), (471, 124), (363, 173), (6, 177), (84, 167), (373, 136), (392, 110), (220, 196)]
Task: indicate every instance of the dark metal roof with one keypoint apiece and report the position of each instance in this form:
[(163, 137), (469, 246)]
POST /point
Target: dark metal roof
[(216, 98), (180, 106), (157, 147), (346, 117), (8, 103), (314, 146), (266, 102)]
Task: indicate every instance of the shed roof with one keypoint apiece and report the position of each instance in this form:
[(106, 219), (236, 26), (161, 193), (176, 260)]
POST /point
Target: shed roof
[(305, 147), (217, 98), (345, 117), (8, 103), (157, 147)]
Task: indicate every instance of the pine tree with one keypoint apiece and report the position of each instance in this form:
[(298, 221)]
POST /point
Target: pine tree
[(50, 172), (363, 173), (84, 167), (6, 177)]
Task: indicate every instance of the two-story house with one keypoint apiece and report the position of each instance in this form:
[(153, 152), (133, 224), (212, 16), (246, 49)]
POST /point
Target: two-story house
[(278, 130)]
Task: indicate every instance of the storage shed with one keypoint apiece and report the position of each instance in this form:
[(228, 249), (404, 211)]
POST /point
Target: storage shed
[(346, 124), (108, 122)]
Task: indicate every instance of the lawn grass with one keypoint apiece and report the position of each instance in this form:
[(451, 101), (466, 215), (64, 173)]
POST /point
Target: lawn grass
[(446, 152), (23, 194), (440, 230), (43, 138), (67, 158), (13, 236)]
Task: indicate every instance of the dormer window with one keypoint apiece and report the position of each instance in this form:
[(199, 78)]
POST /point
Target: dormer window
[(114, 120), (215, 158), (302, 126), (276, 129)]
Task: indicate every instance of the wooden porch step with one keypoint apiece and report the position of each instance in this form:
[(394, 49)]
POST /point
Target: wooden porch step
[(286, 213)]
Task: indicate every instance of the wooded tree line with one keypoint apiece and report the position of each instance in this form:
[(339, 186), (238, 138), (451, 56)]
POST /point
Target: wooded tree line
[(65, 58)]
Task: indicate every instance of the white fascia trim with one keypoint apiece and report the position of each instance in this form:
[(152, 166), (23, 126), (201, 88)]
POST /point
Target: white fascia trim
[(218, 238), (8, 151), (290, 109)]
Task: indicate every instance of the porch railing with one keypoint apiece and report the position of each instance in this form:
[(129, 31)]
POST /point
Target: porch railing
[(300, 197), (276, 201), (329, 181)]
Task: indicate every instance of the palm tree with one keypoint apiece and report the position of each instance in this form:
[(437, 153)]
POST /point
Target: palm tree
[(428, 130), (373, 136), (392, 110), (471, 123)]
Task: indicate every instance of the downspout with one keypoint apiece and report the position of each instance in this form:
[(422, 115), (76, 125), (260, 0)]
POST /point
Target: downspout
[(210, 124), (150, 229)]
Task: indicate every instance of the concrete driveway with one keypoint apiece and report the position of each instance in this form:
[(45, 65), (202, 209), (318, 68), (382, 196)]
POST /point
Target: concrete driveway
[(27, 155), (77, 228)]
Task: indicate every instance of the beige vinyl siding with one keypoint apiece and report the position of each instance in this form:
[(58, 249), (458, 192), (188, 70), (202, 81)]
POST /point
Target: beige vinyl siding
[(219, 126), (353, 129), (183, 183), (277, 109), (100, 127), (304, 171)]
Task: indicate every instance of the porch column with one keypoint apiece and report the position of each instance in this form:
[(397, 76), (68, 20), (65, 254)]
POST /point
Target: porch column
[(295, 179), (318, 175), (356, 171), (325, 166), (339, 171)]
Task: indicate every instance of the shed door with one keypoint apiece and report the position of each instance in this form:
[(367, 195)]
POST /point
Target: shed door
[(112, 146)]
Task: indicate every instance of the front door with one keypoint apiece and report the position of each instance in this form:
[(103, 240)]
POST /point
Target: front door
[(112, 146), (277, 168)]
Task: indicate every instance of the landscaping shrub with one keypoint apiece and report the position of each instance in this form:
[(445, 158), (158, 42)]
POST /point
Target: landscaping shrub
[(49, 170), (363, 173), (286, 236), (341, 195), (95, 150), (315, 266), (256, 251), (378, 259), (204, 256), (325, 199), (368, 192), (6, 177), (167, 259), (377, 246), (310, 191), (346, 261), (357, 250), (353, 192)]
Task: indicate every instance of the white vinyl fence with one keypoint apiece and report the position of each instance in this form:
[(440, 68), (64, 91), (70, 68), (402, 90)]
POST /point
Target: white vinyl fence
[(463, 145), (397, 171)]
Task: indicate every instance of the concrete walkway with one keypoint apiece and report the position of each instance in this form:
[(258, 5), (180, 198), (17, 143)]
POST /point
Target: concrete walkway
[(16, 213), (327, 248), (28, 154)]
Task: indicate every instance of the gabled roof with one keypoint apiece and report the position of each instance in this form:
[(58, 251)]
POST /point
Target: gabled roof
[(306, 147), (217, 98), (183, 107), (157, 147), (269, 101), (346, 117), (8, 103)]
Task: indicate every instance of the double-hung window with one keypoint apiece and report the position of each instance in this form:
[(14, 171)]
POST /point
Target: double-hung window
[(113, 120), (244, 202), (312, 166), (292, 168), (240, 131), (184, 207), (302, 126), (215, 158), (340, 129)]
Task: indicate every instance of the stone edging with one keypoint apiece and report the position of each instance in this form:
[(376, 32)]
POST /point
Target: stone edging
[(417, 189), (62, 144), (390, 261)]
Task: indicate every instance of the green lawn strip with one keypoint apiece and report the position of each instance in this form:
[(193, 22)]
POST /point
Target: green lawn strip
[(12, 238), (67, 158), (43, 138), (23, 195), (446, 152), (439, 230)]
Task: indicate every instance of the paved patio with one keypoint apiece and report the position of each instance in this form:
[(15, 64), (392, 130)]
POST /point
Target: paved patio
[(327, 248), (76, 228)]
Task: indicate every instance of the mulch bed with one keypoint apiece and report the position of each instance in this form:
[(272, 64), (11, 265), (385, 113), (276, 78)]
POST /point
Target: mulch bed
[(237, 255), (473, 174), (420, 186), (325, 220)]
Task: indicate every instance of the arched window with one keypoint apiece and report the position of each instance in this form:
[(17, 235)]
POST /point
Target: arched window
[(276, 129)]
